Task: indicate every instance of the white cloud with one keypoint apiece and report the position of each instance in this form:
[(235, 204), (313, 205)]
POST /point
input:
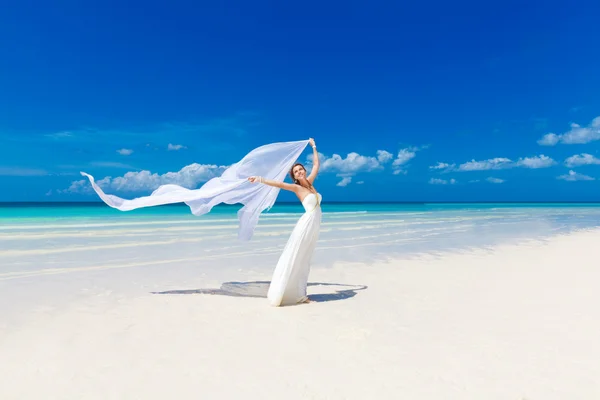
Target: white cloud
[(574, 176), (353, 163), (175, 147), (404, 156), (549, 139), (576, 135), (441, 165), (492, 163), (189, 176), (345, 181), (495, 180), (80, 186), (125, 152), (541, 161), (581, 159), (360, 182), (497, 163), (384, 156), (436, 181)]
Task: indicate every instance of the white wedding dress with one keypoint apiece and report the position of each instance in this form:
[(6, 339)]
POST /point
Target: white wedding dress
[(288, 285)]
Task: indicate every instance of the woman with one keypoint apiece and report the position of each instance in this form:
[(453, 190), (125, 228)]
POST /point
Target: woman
[(288, 285)]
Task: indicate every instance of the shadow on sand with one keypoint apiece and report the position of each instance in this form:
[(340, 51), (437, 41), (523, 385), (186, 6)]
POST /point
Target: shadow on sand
[(260, 289)]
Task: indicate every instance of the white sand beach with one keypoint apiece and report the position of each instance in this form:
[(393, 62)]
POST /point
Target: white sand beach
[(516, 321)]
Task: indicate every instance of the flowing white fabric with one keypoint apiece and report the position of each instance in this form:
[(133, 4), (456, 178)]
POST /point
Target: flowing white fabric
[(289, 281), (272, 161)]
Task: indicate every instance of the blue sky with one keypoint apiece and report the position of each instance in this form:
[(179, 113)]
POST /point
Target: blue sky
[(135, 91)]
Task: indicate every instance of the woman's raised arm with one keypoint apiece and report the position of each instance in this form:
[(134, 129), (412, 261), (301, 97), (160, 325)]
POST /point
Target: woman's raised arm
[(315, 168), (270, 182)]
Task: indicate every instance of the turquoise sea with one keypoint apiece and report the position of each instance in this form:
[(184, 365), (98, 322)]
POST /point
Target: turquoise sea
[(379, 230), (28, 212), (34, 236)]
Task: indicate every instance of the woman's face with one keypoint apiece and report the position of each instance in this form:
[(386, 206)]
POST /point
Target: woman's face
[(299, 172)]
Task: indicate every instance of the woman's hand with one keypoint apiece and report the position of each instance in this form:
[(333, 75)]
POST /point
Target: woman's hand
[(254, 179), (311, 141)]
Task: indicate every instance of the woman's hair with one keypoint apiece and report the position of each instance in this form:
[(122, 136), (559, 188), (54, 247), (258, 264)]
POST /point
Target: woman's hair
[(292, 171)]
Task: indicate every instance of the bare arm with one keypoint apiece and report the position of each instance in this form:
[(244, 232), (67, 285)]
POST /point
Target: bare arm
[(315, 168), (270, 182)]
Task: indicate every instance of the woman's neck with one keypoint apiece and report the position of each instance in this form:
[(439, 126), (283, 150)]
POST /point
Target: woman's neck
[(306, 184)]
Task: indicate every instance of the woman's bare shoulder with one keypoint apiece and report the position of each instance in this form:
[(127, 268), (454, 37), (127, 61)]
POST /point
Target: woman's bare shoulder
[(301, 192)]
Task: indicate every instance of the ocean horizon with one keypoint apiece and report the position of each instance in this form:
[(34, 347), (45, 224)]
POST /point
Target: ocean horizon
[(96, 202)]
